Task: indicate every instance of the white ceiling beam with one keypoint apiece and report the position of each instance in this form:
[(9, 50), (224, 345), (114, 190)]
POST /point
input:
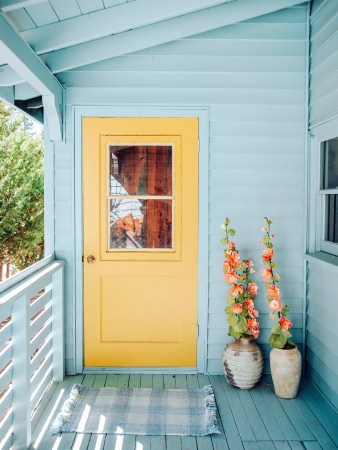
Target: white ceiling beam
[(7, 93), (110, 21), (11, 5), (29, 66), (160, 33), (8, 76)]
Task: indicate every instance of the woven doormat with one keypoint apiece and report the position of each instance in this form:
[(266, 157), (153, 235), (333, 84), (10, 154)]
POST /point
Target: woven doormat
[(183, 412)]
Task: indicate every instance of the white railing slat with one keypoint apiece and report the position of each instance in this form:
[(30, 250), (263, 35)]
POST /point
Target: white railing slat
[(5, 428), (40, 337), (40, 302), (41, 354), (5, 333), (5, 355), (6, 377), (35, 328), (37, 394), (6, 402), (44, 318), (40, 373), (5, 313)]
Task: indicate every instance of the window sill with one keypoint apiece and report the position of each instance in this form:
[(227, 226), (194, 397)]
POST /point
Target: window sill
[(323, 259)]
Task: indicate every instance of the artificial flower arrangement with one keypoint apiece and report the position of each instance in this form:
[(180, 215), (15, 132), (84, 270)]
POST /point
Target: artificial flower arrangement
[(280, 331), (237, 273)]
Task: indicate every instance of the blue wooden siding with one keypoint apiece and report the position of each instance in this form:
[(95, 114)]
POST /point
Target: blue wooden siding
[(322, 298), (252, 77)]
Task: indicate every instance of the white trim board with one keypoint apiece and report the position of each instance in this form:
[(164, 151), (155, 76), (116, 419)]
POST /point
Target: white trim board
[(202, 113)]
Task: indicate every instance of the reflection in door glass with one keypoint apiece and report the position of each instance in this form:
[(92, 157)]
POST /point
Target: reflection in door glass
[(141, 198)]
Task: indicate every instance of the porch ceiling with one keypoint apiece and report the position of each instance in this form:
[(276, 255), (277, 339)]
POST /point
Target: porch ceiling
[(69, 34)]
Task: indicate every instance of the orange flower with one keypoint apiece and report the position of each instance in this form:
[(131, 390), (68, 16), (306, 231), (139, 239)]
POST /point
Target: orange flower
[(226, 266), (253, 325), (267, 254), (285, 323), (266, 274), (273, 292), (230, 276), (265, 229), (231, 245), (249, 303), (236, 289), (253, 312), (236, 308), (275, 305), (247, 263), (253, 288)]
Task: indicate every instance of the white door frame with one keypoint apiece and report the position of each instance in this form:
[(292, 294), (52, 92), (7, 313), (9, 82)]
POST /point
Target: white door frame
[(203, 232)]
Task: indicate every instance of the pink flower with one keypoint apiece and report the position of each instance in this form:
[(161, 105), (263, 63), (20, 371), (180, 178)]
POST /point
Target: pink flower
[(273, 292), (275, 305), (233, 258), (253, 288), (267, 255), (237, 308), (230, 276), (231, 244), (236, 289), (253, 312), (266, 274), (265, 229), (272, 235), (252, 270), (285, 323)]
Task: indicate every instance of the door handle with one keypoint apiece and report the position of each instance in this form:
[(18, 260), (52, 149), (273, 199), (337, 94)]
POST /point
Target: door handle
[(90, 259)]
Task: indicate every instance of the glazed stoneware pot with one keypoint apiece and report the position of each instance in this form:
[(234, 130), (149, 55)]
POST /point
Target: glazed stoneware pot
[(242, 363), (286, 368)]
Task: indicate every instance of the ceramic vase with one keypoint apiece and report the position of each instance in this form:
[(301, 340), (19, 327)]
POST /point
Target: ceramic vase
[(286, 368), (242, 363)]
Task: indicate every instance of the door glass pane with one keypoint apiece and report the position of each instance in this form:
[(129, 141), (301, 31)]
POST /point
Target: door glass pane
[(140, 169), (330, 172), (332, 218), (138, 223)]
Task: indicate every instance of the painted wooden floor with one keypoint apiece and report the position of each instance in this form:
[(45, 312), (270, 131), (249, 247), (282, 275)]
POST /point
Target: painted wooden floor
[(250, 420)]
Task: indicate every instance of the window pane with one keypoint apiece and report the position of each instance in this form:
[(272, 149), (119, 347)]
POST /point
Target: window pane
[(140, 170), (332, 218), (330, 172), (136, 223)]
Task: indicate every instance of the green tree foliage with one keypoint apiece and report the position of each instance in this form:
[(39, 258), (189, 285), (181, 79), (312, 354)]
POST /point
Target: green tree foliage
[(21, 191)]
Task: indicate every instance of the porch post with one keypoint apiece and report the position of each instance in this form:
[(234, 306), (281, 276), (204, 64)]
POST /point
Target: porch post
[(58, 325), (21, 374)]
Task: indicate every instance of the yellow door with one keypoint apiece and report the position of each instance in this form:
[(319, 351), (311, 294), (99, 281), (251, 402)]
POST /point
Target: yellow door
[(140, 189)]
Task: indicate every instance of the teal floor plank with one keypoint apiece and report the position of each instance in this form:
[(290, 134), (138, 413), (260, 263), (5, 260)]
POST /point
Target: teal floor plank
[(303, 423), (96, 442), (282, 445), (280, 415), (239, 413), (271, 424), (254, 417), (229, 425)]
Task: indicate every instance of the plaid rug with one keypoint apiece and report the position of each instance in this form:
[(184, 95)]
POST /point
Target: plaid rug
[(184, 412)]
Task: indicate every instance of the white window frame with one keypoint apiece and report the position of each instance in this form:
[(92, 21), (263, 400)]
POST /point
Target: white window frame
[(317, 195)]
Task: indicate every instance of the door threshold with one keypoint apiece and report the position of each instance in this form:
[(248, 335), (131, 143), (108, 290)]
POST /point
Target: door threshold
[(141, 370)]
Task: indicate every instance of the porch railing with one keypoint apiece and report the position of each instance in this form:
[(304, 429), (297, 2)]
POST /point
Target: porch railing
[(31, 347)]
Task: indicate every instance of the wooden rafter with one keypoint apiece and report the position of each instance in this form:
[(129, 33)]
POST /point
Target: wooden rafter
[(11, 5), (29, 66)]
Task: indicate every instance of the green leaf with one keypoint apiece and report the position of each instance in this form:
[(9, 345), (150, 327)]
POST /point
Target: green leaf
[(231, 232), (277, 340), (234, 334), (276, 329), (285, 310), (273, 315), (273, 265), (276, 278), (224, 241), (286, 334), (232, 320), (228, 310)]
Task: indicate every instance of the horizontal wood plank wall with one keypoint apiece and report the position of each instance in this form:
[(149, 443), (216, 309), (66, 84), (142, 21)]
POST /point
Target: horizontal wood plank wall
[(322, 337), (322, 333), (323, 62), (252, 76)]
